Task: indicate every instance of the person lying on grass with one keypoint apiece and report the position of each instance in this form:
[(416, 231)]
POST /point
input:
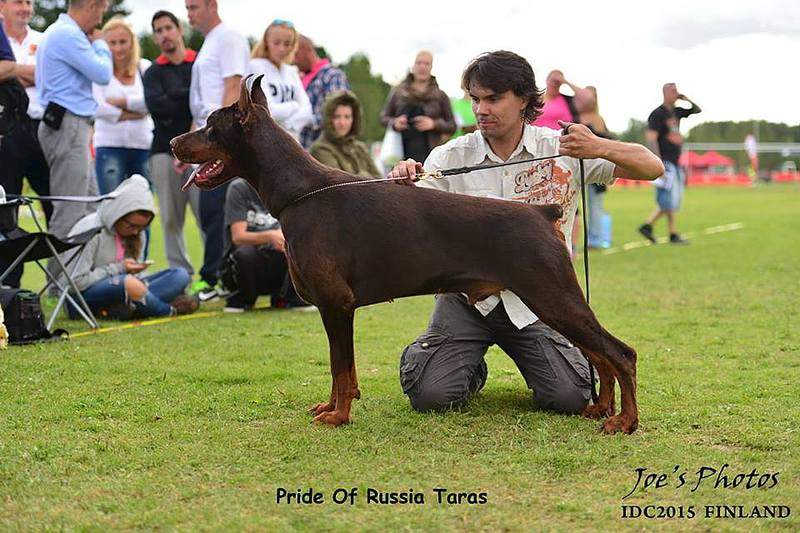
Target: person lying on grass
[(109, 271)]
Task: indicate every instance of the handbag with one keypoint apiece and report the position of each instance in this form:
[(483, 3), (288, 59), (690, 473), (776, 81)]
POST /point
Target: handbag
[(13, 105)]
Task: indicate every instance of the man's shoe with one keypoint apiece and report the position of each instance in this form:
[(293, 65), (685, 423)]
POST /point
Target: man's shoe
[(204, 291), (185, 304), (674, 238), (647, 231)]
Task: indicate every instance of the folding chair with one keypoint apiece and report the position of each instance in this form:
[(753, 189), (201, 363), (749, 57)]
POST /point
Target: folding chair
[(23, 246)]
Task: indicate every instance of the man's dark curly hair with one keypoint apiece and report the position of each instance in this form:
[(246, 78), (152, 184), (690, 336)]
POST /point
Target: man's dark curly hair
[(502, 71)]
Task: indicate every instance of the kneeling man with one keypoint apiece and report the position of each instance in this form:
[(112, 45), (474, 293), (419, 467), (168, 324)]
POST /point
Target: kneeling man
[(445, 366), (255, 259)]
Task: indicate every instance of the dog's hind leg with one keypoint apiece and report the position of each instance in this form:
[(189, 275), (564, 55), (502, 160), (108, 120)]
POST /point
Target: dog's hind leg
[(559, 302), (339, 327), (604, 406)]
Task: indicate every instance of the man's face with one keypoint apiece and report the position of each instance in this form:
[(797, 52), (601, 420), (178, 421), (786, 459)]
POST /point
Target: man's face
[(17, 12), (97, 9), (200, 13), (423, 66), (166, 35), (302, 58), (671, 93), (498, 114)]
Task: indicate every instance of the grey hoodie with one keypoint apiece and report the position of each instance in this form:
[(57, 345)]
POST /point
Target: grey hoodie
[(98, 260)]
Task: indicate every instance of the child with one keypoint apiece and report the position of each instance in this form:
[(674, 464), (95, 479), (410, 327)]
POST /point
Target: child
[(272, 56)]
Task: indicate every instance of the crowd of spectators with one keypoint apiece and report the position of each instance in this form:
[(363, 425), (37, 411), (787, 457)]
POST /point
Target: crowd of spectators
[(100, 118)]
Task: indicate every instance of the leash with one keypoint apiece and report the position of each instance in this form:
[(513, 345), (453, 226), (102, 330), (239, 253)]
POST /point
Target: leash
[(584, 217), (433, 174)]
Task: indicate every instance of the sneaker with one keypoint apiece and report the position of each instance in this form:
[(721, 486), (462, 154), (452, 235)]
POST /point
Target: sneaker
[(647, 231), (204, 291), (185, 304), (677, 239), (234, 309)]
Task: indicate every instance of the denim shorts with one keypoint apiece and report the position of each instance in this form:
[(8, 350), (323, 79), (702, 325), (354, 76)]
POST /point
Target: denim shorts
[(670, 193)]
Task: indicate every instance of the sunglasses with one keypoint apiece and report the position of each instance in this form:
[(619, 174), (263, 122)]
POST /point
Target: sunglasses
[(282, 22)]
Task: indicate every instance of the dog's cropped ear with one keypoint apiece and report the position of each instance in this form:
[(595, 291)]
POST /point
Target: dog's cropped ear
[(257, 93), (245, 104)]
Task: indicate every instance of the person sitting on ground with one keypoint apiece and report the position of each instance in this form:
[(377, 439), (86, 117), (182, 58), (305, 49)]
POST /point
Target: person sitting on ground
[(255, 262), (108, 272), (339, 147), (272, 56)]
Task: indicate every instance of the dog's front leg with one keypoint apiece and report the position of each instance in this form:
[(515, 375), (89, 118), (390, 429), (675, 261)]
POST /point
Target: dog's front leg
[(330, 405), (339, 327)]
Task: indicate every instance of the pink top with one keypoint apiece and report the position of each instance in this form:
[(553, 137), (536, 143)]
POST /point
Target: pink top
[(553, 111), (314, 70), (120, 249)]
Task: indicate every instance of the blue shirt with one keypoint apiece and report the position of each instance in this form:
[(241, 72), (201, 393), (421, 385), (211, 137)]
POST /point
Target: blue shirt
[(67, 64), (6, 54)]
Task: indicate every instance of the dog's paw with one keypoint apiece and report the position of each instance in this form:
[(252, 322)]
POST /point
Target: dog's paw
[(322, 408), (332, 418), (598, 411), (619, 423)]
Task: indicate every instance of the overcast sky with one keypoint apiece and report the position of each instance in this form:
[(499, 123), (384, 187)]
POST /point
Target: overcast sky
[(737, 59)]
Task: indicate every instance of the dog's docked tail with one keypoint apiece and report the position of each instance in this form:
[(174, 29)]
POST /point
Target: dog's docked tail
[(552, 212)]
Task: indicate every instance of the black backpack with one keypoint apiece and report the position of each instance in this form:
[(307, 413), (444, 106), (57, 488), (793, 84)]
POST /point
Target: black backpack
[(13, 105), (24, 318)]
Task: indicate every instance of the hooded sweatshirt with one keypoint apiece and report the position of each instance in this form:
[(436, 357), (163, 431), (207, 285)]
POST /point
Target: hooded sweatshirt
[(345, 153), (99, 259)]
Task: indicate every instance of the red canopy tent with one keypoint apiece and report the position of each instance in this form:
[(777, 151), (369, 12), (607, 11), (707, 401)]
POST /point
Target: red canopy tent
[(694, 161)]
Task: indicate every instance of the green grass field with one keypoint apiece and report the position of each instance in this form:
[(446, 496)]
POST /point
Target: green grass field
[(196, 424)]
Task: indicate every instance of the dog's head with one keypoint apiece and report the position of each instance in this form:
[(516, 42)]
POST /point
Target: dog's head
[(221, 148)]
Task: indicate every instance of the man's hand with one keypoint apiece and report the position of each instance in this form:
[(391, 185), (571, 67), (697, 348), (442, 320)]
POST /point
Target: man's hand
[(406, 169), (179, 166), (580, 142), (133, 266), (118, 101), (277, 240), (130, 115), (95, 34), (423, 123), (400, 123)]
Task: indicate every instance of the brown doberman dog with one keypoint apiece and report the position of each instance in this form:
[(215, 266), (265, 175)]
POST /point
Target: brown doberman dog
[(362, 244)]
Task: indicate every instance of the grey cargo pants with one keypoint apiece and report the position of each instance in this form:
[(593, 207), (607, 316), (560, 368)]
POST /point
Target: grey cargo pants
[(445, 366)]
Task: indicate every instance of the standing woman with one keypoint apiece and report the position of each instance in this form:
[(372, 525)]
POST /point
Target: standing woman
[(338, 146), (123, 130), (420, 110), (272, 56), (599, 221)]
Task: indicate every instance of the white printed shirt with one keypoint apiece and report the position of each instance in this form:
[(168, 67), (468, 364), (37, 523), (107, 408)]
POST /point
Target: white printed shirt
[(287, 99), (25, 53), (550, 181)]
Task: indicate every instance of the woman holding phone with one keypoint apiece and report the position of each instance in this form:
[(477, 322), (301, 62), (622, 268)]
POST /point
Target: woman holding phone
[(110, 271)]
